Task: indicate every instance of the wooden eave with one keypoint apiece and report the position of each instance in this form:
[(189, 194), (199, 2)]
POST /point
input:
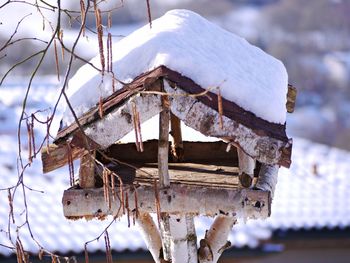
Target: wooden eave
[(153, 81)]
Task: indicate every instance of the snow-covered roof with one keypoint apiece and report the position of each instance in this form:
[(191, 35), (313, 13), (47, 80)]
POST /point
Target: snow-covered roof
[(302, 199), (198, 49)]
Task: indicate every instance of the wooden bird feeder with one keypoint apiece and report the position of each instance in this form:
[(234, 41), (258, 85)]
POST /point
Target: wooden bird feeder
[(175, 179)]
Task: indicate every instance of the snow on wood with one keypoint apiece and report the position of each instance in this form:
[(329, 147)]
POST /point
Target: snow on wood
[(150, 234), (189, 44), (202, 118), (215, 241), (177, 200)]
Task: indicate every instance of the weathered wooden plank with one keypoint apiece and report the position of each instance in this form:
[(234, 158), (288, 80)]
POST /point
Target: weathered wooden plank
[(87, 171), (57, 156), (191, 173), (177, 200), (195, 152), (198, 116), (291, 98)]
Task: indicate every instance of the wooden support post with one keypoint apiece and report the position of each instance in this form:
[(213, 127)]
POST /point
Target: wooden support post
[(246, 168), (183, 239), (150, 234), (163, 148), (177, 147), (215, 241), (87, 171), (291, 98), (180, 199), (164, 181), (267, 179), (177, 233)]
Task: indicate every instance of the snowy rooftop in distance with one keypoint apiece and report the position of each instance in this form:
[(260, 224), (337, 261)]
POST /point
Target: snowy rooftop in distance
[(302, 200), (198, 49)]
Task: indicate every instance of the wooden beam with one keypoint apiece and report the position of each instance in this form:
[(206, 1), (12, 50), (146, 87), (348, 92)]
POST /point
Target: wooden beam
[(56, 156), (177, 146), (87, 171), (200, 117), (177, 200), (150, 234)]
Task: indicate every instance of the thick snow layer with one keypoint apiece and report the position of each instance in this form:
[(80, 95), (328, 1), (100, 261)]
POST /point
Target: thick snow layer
[(189, 44)]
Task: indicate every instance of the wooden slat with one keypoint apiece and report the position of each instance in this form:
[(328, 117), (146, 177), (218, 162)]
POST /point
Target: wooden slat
[(56, 156)]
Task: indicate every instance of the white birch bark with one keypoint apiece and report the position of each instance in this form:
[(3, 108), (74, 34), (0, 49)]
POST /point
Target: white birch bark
[(150, 234), (246, 168), (215, 241)]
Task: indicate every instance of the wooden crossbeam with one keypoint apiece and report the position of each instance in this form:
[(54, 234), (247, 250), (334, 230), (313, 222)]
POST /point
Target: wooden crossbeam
[(56, 156), (178, 199)]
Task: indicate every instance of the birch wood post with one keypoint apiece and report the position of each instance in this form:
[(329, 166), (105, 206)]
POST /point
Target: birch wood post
[(246, 168), (164, 181), (183, 239), (267, 179), (150, 234), (177, 148), (215, 241), (178, 234), (87, 171)]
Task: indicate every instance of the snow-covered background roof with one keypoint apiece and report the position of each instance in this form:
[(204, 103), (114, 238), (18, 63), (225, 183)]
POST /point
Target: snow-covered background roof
[(312, 194), (198, 49)]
